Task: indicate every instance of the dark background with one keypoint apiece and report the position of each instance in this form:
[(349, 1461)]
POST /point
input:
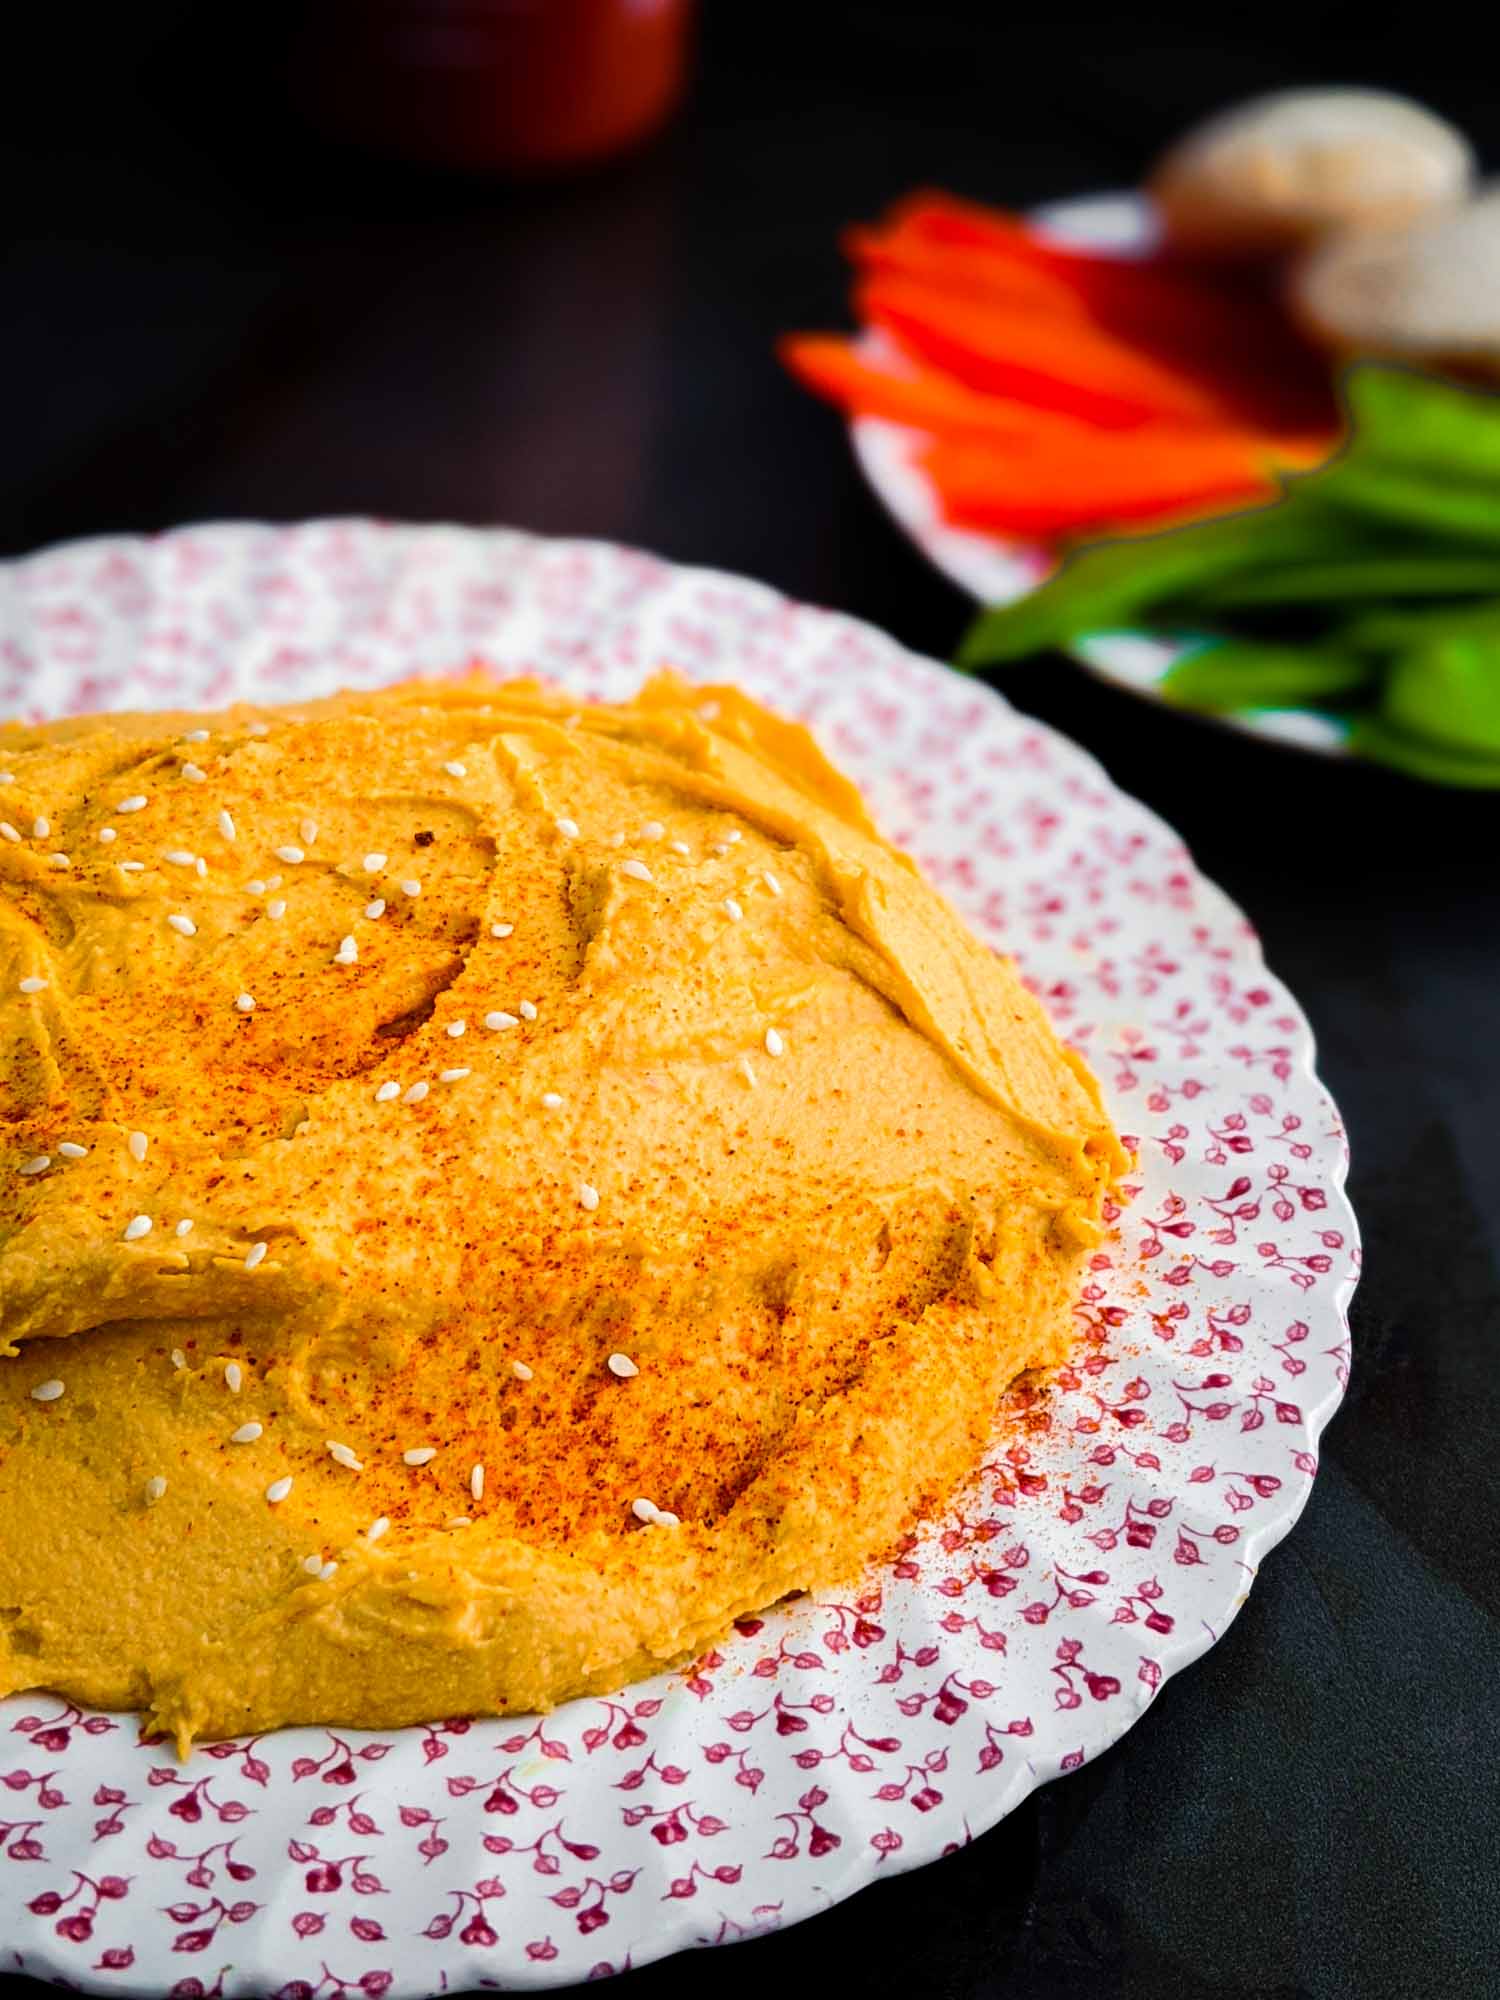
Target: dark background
[(208, 311)]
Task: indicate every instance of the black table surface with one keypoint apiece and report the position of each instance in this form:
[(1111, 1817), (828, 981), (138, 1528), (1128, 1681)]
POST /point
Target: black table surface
[(208, 312)]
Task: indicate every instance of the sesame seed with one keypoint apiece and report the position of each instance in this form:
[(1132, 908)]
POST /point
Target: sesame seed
[(137, 1227), (106, 835), (201, 866), (719, 847), (328, 1570), (313, 1565), (156, 1487), (377, 1528), (245, 1002), (521, 1372), (747, 1072), (501, 930), (416, 1092), (194, 774), (309, 831), (456, 1028), (476, 1482), (775, 1046), (456, 770), (274, 881), (247, 1433), (420, 1454), (770, 881), (196, 736), (458, 1521), (31, 984), (37, 1165), (181, 857), (733, 835), (276, 907), (652, 1515), (7, 831), (47, 1392), (185, 1227), (255, 888), (234, 1377), (588, 1197), (132, 867), (71, 1150), (552, 1099), (374, 863), (41, 826), (568, 828), (137, 1143), (453, 1075), (527, 1010), (226, 824), (278, 1489), (411, 886), (255, 1255), (179, 1359), (342, 1454), (375, 909), (347, 953), (637, 871), (184, 926), (499, 1020), (652, 830), (732, 910), (290, 854), (7, 777), (387, 1091), (623, 1366), (60, 860), (679, 847)]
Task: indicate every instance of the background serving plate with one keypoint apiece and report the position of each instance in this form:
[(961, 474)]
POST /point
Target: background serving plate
[(1111, 1535), (995, 570)]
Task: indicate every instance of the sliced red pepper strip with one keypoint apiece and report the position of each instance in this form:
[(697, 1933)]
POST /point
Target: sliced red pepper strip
[(1220, 329), (1049, 494), (1059, 364), (929, 399)]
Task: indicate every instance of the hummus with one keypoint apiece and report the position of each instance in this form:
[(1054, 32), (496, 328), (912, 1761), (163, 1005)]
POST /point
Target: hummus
[(492, 1189)]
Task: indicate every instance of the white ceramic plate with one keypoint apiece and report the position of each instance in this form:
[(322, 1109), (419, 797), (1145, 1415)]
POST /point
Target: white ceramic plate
[(995, 570), (1111, 1535)]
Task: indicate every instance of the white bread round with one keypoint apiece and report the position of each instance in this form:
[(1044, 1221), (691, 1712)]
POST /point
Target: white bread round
[(1281, 170), (1426, 292)]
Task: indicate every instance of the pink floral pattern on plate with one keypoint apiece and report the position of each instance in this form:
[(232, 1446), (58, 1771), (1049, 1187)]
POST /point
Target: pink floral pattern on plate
[(1110, 1537)]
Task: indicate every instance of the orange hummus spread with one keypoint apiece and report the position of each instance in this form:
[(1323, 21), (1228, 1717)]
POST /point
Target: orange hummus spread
[(492, 1188)]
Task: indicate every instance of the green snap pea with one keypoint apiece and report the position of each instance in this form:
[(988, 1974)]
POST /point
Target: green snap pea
[(1373, 737), (1391, 629), (1229, 674), (1438, 575), (1448, 691), (1113, 584)]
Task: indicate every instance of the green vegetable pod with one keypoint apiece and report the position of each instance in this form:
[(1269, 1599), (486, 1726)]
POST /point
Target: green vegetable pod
[(1374, 738), (1227, 674), (1448, 692), (1385, 576)]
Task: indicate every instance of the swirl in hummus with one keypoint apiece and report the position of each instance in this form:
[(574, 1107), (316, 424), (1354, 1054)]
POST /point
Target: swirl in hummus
[(493, 1188)]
